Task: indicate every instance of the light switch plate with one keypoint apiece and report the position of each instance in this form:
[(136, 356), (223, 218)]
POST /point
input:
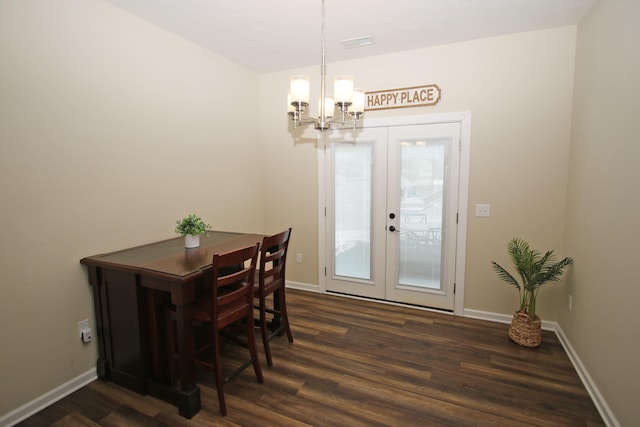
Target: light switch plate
[(483, 210)]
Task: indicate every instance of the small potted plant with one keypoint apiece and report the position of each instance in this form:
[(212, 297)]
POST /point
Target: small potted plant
[(534, 270), (191, 227)]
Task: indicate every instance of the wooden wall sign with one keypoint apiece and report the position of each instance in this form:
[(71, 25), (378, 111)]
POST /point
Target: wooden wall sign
[(416, 96)]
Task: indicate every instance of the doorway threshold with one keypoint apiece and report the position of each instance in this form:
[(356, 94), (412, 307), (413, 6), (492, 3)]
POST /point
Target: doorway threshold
[(384, 301)]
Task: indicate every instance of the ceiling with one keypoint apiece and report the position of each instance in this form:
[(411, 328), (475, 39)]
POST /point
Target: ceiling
[(276, 35)]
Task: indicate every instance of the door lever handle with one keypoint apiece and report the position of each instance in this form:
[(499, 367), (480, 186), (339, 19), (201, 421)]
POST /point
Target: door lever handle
[(393, 228)]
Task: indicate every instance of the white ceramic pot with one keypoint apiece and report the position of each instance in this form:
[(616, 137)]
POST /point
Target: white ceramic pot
[(191, 241)]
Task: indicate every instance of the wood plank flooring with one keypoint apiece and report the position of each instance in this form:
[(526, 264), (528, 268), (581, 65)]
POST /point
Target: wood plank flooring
[(360, 363)]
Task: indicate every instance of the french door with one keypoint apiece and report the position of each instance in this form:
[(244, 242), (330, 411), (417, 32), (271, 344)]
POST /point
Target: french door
[(391, 220)]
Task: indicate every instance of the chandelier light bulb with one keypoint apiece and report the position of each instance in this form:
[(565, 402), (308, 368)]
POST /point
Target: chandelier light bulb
[(329, 107), (290, 108), (299, 89), (343, 89), (357, 105)]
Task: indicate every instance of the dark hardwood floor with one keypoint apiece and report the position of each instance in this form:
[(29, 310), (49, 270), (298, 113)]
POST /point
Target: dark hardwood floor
[(357, 363)]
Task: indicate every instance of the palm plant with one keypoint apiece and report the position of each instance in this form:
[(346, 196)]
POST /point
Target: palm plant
[(534, 269)]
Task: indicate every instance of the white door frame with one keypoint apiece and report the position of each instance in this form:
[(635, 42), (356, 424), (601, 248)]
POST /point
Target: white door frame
[(464, 118)]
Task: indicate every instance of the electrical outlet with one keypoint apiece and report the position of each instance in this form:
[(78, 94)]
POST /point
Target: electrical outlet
[(86, 335), (570, 303), (299, 258), (83, 324)]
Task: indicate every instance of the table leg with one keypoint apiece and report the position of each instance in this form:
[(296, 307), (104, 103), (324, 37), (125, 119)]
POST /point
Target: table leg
[(189, 404), (153, 333), (185, 350)]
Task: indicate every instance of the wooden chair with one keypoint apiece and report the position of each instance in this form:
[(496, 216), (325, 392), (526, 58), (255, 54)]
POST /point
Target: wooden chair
[(271, 281), (227, 306)]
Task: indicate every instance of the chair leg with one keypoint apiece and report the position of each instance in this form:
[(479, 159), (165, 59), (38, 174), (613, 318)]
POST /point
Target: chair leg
[(251, 343), (218, 370), (284, 315), (264, 330)]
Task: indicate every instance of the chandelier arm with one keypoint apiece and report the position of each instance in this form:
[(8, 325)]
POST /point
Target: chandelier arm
[(339, 120), (304, 120)]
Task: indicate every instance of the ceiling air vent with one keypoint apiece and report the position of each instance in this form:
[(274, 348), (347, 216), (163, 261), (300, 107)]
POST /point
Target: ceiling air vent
[(356, 42)]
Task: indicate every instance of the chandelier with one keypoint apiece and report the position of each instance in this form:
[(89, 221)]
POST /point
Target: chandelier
[(348, 101)]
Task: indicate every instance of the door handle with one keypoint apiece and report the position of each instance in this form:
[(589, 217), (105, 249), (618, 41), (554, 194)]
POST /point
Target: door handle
[(393, 228)]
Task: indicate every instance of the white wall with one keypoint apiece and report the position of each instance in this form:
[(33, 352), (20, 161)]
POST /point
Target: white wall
[(518, 89), (110, 130), (603, 208)]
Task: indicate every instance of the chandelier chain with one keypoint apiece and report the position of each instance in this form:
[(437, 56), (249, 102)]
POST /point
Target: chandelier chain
[(323, 67)]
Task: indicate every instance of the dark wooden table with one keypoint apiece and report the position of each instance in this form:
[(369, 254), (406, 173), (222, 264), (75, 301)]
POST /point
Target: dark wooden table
[(130, 289)]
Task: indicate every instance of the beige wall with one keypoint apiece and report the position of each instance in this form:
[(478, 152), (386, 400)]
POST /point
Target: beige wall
[(603, 209), (110, 130), (518, 89)]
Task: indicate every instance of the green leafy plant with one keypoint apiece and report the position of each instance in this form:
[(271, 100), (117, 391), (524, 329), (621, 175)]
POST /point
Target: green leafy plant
[(534, 269), (191, 224)]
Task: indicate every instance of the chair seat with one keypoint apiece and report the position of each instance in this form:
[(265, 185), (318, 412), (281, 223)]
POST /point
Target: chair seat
[(232, 305), (270, 286)]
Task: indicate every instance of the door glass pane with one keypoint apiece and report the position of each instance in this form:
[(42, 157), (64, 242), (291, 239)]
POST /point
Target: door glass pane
[(422, 164), (352, 210)]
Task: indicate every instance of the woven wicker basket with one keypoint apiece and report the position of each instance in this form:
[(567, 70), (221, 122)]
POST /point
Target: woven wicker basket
[(525, 331)]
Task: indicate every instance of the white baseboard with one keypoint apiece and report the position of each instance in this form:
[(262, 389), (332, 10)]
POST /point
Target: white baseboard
[(302, 286), (597, 398), (52, 396), (502, 318), (601, 404)]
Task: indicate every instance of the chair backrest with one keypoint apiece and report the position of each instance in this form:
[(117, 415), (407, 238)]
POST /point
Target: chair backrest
[(234, 267), (273, 257)]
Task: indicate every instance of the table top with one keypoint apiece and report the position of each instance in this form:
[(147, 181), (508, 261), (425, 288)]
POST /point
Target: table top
[(171, 257)]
